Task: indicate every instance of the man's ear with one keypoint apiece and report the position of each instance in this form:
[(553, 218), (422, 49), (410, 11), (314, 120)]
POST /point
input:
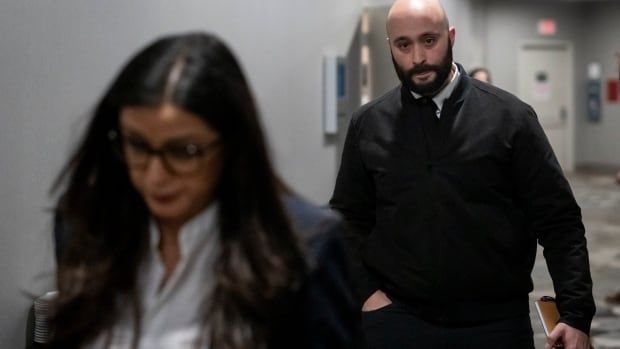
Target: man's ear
[(452, 35)]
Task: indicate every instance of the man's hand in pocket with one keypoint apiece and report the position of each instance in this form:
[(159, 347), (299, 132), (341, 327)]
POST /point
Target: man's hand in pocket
[(376, 301)]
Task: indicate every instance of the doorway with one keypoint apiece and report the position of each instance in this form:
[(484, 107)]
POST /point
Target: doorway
[(545, 80)]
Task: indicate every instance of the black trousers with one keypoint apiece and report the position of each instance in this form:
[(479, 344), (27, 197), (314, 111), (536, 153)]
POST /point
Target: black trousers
[(395, 327)]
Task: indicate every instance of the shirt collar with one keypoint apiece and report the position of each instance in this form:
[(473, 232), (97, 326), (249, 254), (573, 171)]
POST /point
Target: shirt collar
[(192, 232), (445, 93)]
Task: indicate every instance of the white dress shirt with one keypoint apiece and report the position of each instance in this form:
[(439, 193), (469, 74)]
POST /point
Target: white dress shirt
[(172, 315)]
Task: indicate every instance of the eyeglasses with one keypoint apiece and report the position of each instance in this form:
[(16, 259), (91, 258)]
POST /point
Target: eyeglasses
[(182, 158)]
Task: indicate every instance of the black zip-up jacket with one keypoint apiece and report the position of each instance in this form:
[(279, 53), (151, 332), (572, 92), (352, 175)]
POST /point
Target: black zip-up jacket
[(445, 214)]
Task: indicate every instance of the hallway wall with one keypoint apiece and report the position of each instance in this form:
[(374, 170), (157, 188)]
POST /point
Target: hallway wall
[(599, 143), (592, 29), (58, 56), (509, 22)]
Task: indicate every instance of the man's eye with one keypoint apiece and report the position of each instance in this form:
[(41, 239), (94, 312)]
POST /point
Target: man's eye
[(402, 45), (429, 41)]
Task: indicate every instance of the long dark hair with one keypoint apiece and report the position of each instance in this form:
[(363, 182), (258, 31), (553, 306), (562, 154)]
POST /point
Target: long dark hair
[(260, 262)]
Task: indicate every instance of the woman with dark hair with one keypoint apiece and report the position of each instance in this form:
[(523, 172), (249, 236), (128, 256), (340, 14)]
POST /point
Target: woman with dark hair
[(175, 230)]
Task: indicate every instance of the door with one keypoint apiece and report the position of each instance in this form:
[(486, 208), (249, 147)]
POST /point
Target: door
[(545, 82)]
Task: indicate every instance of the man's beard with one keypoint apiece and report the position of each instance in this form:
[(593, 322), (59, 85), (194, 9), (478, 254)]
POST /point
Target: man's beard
[(442, 72)]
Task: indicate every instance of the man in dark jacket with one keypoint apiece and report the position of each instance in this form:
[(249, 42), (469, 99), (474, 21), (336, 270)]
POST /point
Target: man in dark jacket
[(447, 184)]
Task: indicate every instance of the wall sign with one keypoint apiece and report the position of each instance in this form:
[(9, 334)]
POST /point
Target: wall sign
[(541, 88), (547, 27)]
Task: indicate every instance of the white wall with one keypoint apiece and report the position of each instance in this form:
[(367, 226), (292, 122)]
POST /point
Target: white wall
[(592, 28), (508, 22), (58, 56), (599, 143)]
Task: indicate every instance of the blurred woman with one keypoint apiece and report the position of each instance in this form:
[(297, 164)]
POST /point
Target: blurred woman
[(177, 233)]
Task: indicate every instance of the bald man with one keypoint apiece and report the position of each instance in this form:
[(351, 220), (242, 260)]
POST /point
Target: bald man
[(447, 184)]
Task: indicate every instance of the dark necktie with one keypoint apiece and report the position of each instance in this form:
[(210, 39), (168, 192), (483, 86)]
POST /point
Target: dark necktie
[(430, 124), (427, 105)]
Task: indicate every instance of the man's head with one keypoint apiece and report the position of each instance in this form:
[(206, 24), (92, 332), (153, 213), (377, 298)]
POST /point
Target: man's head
[(421, 40)]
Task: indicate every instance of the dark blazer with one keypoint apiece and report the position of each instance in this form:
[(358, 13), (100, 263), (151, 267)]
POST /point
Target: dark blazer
[(323, 313), (327, 315)]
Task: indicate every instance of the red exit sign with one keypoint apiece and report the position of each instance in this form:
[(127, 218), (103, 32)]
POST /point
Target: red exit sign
[(547, 27)]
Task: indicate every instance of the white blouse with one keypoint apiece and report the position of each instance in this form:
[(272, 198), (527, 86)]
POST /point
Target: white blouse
[(172, 316)]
